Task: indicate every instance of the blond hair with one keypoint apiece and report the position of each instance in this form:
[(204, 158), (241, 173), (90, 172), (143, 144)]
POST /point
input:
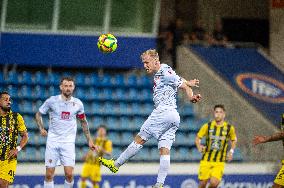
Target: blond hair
[(152, 53)]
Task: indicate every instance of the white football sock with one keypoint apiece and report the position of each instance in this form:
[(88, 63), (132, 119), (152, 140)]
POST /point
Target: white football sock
[(130, 151), (48, 184), (165, 161), (68, 185)]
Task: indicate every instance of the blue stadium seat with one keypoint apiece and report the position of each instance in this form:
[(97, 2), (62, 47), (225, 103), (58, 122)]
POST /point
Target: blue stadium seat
[(26, 106), (39, 78), (31, 153), (81, 139), (42, 153), (2, 79), (53, 90), (39, 92), (53, 78), (114, 137), (184, 153), (92, 93), (138, 121), (80, 93), (132, 94), (96, 108), (112, 122), (25, 77), (13, 91), (126, 138), (29, 121), (92, 79), (25, 92), (37, 104), (181, 138), (108, 108), (131, 81), (119, 95), (105, 80), (154, 153), (186, 110), (146, 95), (12, 77), (125, 123), (191, 139), (148, 108), (41, 139), (194, 154), (116, 151), (144, 81), (118, 80), (98, 121), (80, 79)]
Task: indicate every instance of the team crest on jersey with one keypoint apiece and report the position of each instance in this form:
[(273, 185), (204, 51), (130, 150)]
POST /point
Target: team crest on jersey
[(65, 115)]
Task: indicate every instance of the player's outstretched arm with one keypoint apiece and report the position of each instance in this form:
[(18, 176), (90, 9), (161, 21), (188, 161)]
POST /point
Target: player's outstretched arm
[(191, 83), (40, 125), (189, 93), (263, 139)]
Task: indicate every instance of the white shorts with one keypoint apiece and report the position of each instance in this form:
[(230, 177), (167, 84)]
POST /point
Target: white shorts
[(162, 124), (59, 153)]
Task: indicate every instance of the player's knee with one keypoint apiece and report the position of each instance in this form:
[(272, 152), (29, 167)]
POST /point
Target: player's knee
[(214, 184), (276, 186), (49, 176), (164, 151), (69, 176), (202, 184)]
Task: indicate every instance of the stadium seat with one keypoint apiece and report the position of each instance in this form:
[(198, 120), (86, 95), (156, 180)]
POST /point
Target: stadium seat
[(53, 90), (25, 92), (39, 92), (132, 94), (186, 110), (13, 91), (119, 95), (181, 139), (131, 81), (92, 79), (105, 81), (39, 78), (53, 78), (81, 139), (154, 153), (126, 138), (91, 93), (80, 79), (194, 154), (12, 77), (144, 81), (118, 80), (29, 121), (26, 106), (114, 137), (80, 93), (2, 79), (25, 77), (112, 122), (125, 123)]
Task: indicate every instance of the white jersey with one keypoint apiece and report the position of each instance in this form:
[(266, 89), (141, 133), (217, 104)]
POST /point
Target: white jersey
[(62, 118), (166, 83)]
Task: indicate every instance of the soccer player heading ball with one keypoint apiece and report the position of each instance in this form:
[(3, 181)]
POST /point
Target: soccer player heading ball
[(164, 121)]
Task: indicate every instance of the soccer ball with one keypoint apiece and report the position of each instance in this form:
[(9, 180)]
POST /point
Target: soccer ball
[(107, 43)]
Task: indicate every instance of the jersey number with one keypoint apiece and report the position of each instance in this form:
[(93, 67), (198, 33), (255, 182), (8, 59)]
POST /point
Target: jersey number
[(11, 173)]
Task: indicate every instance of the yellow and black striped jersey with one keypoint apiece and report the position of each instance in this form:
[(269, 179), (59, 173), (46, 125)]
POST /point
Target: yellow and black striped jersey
[(92, 157), (10, 126), (217, 137)]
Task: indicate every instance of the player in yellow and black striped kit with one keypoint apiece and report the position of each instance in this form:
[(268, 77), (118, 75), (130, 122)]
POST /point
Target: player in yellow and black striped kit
[(279, 179), (92, 167), (11, 125), (218, 134)]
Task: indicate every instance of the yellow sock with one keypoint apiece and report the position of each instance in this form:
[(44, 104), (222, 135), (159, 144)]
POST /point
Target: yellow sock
[(83, 184)]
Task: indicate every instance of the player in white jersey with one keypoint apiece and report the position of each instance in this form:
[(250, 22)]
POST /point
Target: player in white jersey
[(164, 120), (63, 110)]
